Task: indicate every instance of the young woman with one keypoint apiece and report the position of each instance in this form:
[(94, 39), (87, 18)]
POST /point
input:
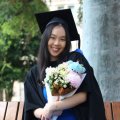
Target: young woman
[(85, 104)]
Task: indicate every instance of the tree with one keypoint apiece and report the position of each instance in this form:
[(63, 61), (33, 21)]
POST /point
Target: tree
[(19, 39)]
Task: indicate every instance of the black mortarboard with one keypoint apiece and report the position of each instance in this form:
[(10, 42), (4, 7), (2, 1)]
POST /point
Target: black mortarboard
[(44, 19)]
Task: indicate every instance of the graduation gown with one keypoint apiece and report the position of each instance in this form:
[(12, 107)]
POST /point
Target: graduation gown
[(92, 109)]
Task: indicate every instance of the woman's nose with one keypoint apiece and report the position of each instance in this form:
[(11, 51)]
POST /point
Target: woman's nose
[(56, 42)]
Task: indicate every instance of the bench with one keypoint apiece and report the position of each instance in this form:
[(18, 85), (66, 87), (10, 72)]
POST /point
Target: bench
[(13, 110), (112, 110)]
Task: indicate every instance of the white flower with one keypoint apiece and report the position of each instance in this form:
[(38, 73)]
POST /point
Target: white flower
[(56, 82), (65, 86), (50, 70)]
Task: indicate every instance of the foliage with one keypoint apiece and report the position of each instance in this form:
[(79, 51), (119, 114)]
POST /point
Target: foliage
[(19, 39)]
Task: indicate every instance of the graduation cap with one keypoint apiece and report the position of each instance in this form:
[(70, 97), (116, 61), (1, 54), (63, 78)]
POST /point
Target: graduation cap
[(46, 18)]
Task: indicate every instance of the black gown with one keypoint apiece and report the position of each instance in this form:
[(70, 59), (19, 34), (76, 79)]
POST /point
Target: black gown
[(92, 109)]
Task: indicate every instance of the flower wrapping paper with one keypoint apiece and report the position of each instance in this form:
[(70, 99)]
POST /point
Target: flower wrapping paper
[(63, 81)]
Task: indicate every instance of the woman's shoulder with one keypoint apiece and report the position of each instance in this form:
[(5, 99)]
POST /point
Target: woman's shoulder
[(33, 73), (78, 56), (74, 55), (33, 69)]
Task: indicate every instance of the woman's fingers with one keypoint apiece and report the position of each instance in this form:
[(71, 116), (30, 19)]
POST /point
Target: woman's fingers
[(43, 118)]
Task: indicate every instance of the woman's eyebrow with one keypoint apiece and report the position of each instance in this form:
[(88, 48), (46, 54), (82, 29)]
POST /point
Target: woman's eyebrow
[(55, 35)]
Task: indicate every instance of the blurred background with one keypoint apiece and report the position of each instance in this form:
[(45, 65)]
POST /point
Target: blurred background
[(98, 23)]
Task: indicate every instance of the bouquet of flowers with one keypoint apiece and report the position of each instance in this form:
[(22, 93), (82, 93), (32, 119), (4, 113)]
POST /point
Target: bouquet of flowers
[(63, 81)]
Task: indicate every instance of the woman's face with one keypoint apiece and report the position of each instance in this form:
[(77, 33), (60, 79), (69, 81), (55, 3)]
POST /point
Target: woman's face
[(56, 42)]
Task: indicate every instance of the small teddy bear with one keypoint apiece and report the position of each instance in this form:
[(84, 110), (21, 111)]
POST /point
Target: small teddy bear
[(75, 75)]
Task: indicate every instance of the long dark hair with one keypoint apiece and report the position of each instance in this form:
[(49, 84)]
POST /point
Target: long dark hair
[(43, 54)]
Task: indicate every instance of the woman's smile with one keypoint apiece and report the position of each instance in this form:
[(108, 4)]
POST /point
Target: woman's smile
[(55, 49)]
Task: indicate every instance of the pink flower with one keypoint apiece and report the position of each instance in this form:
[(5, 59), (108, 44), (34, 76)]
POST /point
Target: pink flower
[(74, 79)]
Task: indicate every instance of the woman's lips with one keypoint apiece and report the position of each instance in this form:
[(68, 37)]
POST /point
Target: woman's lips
[(55, 49)]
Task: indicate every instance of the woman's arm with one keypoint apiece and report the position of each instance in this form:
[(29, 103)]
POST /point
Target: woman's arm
[(68, 102)]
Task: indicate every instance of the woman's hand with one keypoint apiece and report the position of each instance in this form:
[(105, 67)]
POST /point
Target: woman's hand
[(51, 107), (43, 114)]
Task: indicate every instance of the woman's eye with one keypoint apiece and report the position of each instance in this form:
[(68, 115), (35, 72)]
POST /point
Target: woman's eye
[(62, 39), (52, 38)]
